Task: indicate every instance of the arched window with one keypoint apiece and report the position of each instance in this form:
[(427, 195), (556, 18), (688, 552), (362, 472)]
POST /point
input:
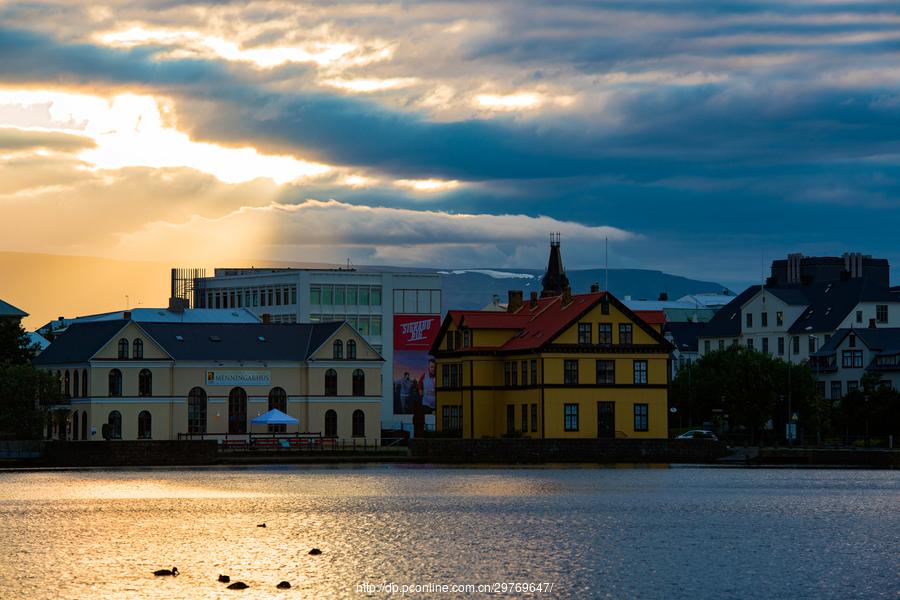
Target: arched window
[(123, 348), (351, 350), (115, 382), (137, 349), (115, 425), (145, 425), (331, 382), (338, 349), (66, 388), (278, 401), (359, 423), (237, 411), (359, 383), (75, 386), (197, 410), (84, 427), (330, 423), (59, 381), (145, 383), (84, 384), (75, 423)]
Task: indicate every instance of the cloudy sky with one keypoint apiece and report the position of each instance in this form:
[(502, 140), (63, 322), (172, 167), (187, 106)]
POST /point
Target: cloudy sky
[(699, 137)]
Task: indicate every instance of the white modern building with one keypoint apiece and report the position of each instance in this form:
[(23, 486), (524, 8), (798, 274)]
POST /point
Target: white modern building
[(372, 302)]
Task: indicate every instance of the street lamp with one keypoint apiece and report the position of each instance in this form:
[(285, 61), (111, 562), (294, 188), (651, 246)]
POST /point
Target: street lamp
[(867, 419)]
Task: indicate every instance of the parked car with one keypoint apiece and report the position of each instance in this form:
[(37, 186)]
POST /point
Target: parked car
[(697, 434)]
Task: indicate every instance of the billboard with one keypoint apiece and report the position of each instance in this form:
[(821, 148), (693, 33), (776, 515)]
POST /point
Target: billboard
[(414, 371)]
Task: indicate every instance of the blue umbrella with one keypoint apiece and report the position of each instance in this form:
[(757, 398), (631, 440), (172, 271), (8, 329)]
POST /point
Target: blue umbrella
[(275, 417)]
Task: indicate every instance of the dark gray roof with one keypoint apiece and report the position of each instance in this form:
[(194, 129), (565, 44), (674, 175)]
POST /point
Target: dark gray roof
[(685, 334), (727, 322), (829, 303), (789, 295), (8, 310), (885, 339), (199, 341)]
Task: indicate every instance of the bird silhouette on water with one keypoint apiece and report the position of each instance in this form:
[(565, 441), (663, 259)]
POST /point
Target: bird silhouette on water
[(284, 585), (224, 578), (238, 585), (166, 572), (315, 552)]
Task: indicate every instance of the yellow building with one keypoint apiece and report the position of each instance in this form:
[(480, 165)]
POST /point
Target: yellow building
[(559, 366), (159, 380)]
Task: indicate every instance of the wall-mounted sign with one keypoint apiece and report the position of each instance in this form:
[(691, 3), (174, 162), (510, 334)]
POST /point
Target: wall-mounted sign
[(232, 378), (414, 370)]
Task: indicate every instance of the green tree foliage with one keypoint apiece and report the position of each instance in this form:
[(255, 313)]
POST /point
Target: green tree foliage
[(746, 388), (874, 407), (25, 392)]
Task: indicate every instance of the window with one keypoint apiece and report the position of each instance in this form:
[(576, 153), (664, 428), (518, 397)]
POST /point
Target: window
[(625, 333), (584, 333), (450, 420), (197, 410), (75, 386), (84, 383), (534, 417), (706, 346), (115, 425), (852, 386), (606, 419), (507, 370), (339, 295), (795, 342), (513, 373), (859, 318), (330, 423), (750, 343), (75, 425), (779, 319), (455, 376), (359, 383), (881, 313), (66, 384), (137, 349), (337, 349), (606, 371), (852, 359), (115, 382), (278, 401), (445, 376), (570, 417), (510, 418), (467, 338), (145, 425), (376, 296), (604, 333), (763, 319), (534, 372), (359, 423), (315, 295), (376, 325), (331, 382), (351, 349), (237, 411), (765, 345), (749, 319), (640, 372), (851, 341), (123, 348), (145, 383), (604, 307), (781, 346), (570, 375), (524, 417), (721, 344), (363, 296), (641, 420), (363, 326), (836, 391), (524, 372)]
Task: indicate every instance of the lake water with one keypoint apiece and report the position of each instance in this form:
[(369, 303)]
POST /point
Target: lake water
[(590, 532)]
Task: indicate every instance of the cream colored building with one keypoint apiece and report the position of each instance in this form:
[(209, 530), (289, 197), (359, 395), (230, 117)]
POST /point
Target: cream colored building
[(159, 380)]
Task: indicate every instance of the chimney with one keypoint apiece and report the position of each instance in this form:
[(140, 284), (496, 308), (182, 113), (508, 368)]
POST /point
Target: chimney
[(663, 297), (872, 324), (61, 318), (126, 315), (266, 318), (496, 299), (532, 304), (515, 301), (595, 288)]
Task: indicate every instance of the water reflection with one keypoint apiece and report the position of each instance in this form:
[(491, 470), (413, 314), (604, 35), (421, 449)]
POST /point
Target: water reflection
[(647, 533)]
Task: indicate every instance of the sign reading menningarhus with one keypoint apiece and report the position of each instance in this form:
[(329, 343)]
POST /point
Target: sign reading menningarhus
[(238, 378)]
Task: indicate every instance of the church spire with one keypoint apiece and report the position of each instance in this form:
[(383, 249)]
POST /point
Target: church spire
[(555, 281)]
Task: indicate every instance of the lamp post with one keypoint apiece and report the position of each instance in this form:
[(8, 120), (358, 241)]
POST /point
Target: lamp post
[(867, 419)]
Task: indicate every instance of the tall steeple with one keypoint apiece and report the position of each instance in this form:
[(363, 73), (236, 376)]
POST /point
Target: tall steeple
[(555, 281)]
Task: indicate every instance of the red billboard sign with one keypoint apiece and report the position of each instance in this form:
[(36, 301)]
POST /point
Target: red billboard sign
[(415, 332), (414, 373)]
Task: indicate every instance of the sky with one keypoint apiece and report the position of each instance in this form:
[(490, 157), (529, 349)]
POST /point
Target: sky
[(702, 138)]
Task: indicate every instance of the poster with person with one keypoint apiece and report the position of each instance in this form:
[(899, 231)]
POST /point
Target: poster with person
[(414, 370)]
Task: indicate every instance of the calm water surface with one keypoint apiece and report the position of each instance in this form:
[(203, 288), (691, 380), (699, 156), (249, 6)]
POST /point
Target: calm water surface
[(591, 532)]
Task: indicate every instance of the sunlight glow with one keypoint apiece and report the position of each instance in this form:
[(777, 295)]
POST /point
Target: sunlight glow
[(427, 185), (371, 85), (129, 131)]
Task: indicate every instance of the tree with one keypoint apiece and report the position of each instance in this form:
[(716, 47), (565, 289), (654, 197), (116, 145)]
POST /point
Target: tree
[(25, 392), (749, 387), (15, 345)]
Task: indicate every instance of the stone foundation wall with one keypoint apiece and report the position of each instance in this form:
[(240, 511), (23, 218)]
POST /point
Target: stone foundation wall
[(126, 453)]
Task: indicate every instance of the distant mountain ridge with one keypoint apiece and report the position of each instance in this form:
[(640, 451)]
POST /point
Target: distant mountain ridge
[(49, 285)]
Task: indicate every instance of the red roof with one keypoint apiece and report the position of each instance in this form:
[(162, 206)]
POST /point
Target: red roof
[(653, 317)]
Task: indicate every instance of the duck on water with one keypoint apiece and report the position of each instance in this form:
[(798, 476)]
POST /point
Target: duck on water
[(166, 572)]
